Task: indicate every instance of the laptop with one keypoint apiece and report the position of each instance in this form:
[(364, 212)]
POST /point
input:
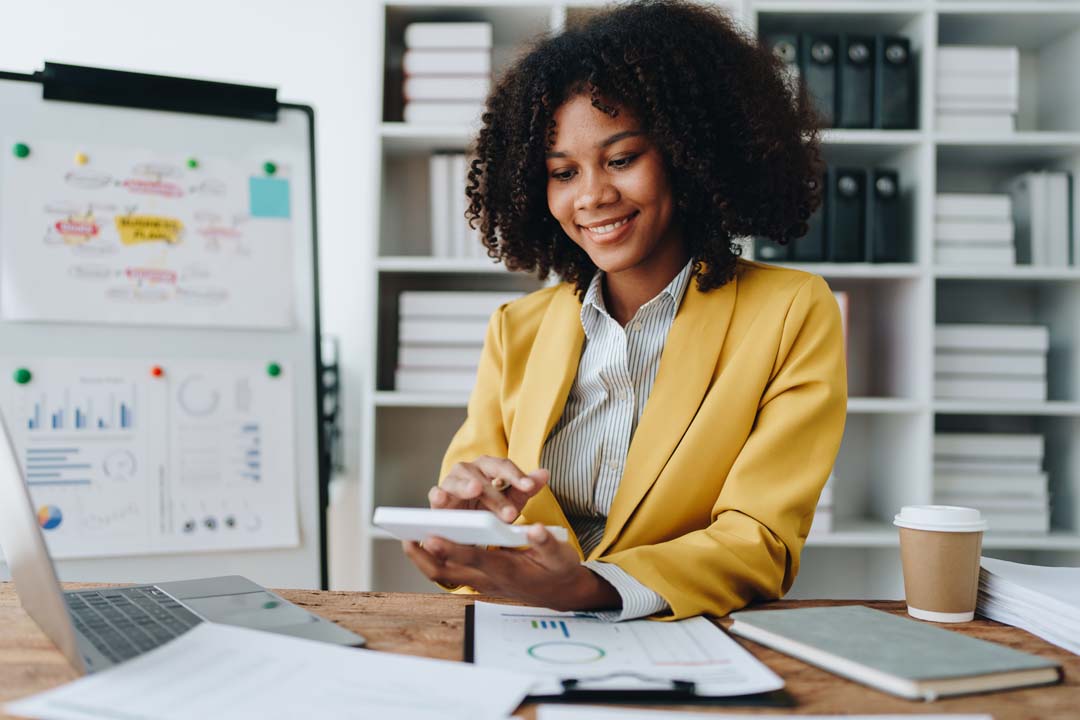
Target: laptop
[(96, 629)]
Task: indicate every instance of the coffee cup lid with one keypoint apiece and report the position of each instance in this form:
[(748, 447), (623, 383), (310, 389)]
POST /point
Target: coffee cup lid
[(940, 518)]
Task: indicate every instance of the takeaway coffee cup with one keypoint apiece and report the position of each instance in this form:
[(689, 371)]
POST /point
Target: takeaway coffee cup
[(940, 546)]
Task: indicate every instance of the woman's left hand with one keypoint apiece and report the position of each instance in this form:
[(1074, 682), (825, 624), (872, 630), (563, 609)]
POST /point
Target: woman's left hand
[(548, 573)]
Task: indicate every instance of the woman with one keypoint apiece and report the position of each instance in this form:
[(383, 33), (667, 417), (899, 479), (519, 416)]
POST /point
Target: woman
[(678, 408)]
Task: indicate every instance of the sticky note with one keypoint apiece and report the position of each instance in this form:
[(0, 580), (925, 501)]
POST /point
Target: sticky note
[(269, 197)]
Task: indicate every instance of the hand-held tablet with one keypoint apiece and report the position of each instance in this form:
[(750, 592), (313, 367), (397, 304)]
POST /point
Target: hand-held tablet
[(465, 527)]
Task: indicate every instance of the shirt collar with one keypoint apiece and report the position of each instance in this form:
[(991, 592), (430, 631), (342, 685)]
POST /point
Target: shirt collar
[(592, 306)]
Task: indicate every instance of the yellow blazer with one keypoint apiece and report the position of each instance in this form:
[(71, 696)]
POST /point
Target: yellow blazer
[(733, 447)]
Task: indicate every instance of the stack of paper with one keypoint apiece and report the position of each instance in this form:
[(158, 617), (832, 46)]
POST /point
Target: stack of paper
[(451, 236), (1045, 601), (990, 362), (440, 337), (998, 474), (1042, 206), (974, 229), (447, 68), (978, 88)]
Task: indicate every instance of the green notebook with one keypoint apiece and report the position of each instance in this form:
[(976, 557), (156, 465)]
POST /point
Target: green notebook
[(900, 656)]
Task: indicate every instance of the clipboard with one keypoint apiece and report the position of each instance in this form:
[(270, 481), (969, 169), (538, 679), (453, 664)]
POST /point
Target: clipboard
[(667, 692)]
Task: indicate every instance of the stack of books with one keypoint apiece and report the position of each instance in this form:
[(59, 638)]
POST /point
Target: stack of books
[(451, 236), (440, 337), (978, 88), (447, 72), (1045, 601), (990, 362), (974, 229), (998, 474), (1042, 207)]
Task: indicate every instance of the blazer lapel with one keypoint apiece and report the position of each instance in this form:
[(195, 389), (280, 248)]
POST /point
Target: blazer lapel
[(689, 359), (549, 375)]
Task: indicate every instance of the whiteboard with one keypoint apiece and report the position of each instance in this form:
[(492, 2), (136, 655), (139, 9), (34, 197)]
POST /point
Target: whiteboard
[(178, 335)]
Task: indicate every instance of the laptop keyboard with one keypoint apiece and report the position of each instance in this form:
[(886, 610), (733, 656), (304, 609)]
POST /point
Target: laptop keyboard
[(125, 622)]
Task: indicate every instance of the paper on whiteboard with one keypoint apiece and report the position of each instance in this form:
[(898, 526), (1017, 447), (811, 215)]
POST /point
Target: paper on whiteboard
[(221, 671), (138, 237), (565, 645), (120, 461)]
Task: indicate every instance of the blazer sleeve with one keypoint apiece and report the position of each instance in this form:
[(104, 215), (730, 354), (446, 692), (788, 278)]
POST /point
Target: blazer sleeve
[(763, 512), (484, 431)]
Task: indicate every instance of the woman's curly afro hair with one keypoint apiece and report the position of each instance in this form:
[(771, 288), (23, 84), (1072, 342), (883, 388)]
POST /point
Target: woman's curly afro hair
[(739, 145)]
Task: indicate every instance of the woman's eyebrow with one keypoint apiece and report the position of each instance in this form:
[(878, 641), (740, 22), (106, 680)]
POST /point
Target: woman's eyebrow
[(602, 144)]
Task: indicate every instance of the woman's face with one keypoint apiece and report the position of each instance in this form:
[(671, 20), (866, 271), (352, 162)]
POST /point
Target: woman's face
[(609, 191)]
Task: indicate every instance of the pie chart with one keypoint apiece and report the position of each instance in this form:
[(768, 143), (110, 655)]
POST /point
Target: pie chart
[(49, 517)]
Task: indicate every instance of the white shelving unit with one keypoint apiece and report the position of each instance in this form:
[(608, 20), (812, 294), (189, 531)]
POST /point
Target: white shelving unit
[(885, 460)]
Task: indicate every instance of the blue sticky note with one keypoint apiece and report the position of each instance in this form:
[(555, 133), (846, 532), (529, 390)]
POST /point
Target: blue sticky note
[(269, 197)]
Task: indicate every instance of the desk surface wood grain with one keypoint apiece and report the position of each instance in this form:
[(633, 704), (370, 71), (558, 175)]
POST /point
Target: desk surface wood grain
[(433, 625)]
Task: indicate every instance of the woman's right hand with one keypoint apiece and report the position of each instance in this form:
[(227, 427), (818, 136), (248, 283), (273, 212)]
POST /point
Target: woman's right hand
[(473, 486)]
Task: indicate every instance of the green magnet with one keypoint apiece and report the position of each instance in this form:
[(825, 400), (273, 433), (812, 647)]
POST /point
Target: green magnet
[(192, 163), (269, 168), (273, 369), (21, 150), (22, 376)]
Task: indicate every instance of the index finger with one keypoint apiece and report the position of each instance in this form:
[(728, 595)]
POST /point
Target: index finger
[(504, 473)]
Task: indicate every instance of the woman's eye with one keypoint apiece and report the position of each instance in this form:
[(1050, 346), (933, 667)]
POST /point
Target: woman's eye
[(562, 175), (622, 161)]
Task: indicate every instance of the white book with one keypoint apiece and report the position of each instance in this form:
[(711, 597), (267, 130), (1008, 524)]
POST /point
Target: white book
[(998, 86), (993, 256), (823, 522), (458, 171), (448, 35), (442, 380), (1029, 194), (978, 59), (446, 62), (466, 357), (438, 182), (1003, 521), (973, 206), (1031, 365), (989, 503), (453, 89), (443, 113), (453, 304), (960, 484), (982, 231), (1057, 219), (995, 468), (975, 122), (442, 331), (989, 106), (1023, 446), (984, 388), (986, 336)]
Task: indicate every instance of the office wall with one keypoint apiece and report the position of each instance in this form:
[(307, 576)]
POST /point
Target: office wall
[(318, 52)]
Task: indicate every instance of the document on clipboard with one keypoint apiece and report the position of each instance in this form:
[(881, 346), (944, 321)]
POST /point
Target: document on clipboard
[(577, 657)]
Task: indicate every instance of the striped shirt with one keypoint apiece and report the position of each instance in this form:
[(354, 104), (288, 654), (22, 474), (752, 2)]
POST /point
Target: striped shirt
[(586, 451)]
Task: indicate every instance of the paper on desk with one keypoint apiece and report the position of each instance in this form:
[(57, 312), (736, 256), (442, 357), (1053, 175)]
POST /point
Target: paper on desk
[(226, 671), (564, 645), (585, 712)]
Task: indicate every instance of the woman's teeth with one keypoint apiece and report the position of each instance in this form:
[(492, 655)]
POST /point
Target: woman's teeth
[(605, 229)]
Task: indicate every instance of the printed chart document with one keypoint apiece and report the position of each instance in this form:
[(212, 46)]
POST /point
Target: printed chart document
[(632, 655), (585, 712), (221, 671)]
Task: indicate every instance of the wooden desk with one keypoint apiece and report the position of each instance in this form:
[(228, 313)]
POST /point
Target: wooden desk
[(432, 626)]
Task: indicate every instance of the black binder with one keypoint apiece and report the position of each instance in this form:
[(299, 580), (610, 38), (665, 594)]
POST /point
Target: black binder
[(856, 88), (894, 84), (785, 46), (813, 246), (768, 250), (884, 237), (847, 215), (817, 63), (667, 692)]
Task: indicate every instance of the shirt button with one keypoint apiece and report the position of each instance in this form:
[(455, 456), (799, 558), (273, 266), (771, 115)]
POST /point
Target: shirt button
[(636, 326), (613, 464)]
